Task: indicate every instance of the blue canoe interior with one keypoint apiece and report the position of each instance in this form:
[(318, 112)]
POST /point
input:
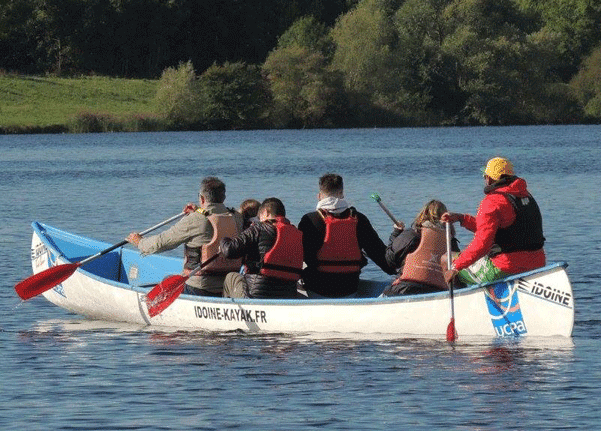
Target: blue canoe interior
[(128, 267), (114, 266)]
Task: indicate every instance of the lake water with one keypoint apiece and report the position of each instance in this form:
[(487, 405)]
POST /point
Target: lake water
[(62, 372)]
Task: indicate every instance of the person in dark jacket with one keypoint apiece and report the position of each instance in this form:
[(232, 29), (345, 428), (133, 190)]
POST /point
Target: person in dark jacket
[(253, 245), (404, 242), (336, 238)]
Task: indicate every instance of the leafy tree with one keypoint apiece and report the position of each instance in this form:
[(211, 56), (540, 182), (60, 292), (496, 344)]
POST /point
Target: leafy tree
[(577, 24), (177, 96), (426, 74), (309, 33), (95, 42), (17, 47), (502, 70), (232, 96), (54, 25), (364, 39), (587, 84), (140, 38), (305, 93), (141, 33)]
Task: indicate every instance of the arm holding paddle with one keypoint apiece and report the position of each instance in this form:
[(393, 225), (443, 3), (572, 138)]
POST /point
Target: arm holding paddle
[(397, 224), (393, 250), (55, 275), (134, 238)]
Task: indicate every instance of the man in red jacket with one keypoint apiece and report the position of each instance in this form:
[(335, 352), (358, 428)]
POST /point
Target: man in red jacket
[(508, 229)]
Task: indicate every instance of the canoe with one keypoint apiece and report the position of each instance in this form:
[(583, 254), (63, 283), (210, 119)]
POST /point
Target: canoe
[(113, 288)]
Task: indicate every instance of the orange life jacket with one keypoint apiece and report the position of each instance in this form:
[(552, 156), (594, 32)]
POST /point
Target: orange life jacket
[(340, 252), (224, 225), (423, 265), (285, 259)]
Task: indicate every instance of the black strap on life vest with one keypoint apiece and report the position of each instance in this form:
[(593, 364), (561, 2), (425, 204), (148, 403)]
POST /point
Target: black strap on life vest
[(281, 268)]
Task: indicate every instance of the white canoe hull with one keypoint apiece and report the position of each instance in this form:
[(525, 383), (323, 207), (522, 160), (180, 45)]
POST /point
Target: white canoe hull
[(539, 303)]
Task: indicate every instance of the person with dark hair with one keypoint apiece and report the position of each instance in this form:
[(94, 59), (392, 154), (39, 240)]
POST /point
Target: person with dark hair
[(417, 253), (335, 238), (272, 252), (200, 230), (508, 229), (249, 209)]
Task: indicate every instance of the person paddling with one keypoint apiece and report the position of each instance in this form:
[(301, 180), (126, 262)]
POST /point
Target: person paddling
[(200, 231), (416, 253), (335, 238), (508, 229), (272, 252)]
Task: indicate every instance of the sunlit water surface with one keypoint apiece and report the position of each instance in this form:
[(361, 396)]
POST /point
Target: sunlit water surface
[(60, 371)]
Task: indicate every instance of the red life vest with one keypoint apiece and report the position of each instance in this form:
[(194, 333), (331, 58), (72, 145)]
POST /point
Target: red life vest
[(423, 265), (285, 259), (340, 252)]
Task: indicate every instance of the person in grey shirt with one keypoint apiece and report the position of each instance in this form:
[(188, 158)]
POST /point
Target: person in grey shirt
[(200, 230)]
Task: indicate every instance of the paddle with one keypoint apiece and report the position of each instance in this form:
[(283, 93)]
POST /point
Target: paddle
[(376, 197), (47, 279), (451, 332), (163, 294)]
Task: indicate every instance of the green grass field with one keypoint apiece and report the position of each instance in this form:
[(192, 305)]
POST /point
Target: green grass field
[(28, 101)]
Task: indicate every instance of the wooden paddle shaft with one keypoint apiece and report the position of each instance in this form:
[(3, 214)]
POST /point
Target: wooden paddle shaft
[(122, 243), (451, 331), (449, 257), (203, 264), (394, 220)]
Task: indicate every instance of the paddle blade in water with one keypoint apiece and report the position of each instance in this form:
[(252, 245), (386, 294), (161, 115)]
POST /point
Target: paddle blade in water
[(163, 294), (451, 332), (45, 280)]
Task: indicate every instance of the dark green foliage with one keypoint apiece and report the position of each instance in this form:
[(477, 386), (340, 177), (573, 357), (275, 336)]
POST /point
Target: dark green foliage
[(308, 63), (232, 96), (141, 38), (90, 122), (305, 91), (309, 33), (576, 25), (177, 96), (587, 85), (97, 122)]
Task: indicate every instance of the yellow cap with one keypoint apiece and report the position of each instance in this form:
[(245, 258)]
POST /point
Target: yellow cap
[(497, 167)]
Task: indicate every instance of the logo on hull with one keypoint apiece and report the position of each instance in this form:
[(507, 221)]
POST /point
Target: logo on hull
[(504, 309), (548, 293)]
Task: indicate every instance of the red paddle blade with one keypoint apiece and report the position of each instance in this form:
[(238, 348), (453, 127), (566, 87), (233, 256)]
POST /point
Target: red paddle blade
[(163, 294), (451, 332), (45, 280)]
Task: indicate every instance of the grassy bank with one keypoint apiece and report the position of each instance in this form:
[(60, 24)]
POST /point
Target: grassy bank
[(30, 104)]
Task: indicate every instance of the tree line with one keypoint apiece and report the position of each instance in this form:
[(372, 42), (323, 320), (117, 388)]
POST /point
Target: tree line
[(337, 63)]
